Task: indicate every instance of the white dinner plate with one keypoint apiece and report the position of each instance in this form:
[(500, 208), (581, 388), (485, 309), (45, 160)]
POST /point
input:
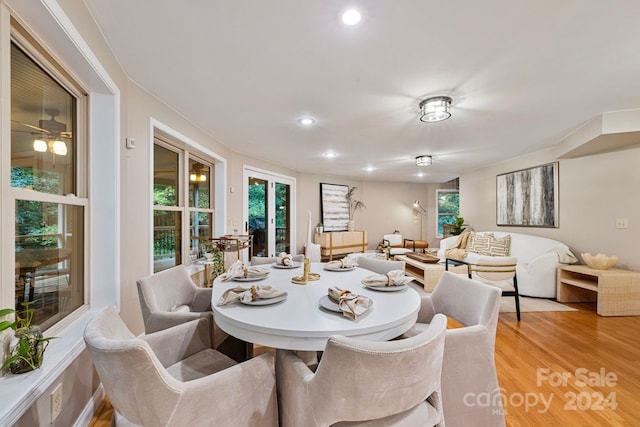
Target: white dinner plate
[(293, 265), (386, 288), (327, 303), (338, 268), (250, 278), (266, 301)]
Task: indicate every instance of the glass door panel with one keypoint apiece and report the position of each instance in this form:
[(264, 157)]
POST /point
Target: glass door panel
[(269, 216), (283, 218), (258, 215)]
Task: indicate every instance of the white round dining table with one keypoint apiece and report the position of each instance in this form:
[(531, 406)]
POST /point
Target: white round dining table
[(299, 323)]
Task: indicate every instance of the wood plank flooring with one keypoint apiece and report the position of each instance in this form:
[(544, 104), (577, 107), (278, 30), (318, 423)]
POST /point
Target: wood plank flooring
[(544, 359)]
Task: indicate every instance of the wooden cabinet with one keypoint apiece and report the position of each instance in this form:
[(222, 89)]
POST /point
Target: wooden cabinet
[(616, 292), (334, 243)]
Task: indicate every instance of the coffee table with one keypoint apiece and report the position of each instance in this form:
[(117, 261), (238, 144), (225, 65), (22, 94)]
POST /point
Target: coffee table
[(427, 274)]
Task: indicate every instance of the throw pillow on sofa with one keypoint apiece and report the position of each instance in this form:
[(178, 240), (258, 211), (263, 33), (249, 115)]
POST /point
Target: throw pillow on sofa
[(479, 243), (489, 245)]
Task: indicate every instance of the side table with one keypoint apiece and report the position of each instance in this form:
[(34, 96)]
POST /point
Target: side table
[(616, 292)]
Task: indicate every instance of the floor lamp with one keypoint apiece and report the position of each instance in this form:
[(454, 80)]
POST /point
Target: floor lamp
[(421, 211)]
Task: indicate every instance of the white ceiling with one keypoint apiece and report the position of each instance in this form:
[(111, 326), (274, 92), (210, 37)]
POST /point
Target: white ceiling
[(522, 75)]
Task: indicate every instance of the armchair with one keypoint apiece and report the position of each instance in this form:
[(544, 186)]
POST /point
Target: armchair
[(173, 377), (400, 246)]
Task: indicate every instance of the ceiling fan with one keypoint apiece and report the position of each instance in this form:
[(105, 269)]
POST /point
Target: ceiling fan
[(51, 132)]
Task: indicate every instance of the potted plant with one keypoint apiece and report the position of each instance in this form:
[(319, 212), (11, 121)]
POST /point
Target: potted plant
[(354, 205), (28, 345), (319, 228), (458, 226)]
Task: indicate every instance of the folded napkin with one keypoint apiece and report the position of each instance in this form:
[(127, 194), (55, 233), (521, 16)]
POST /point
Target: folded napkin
[(392, 278), (284, 259), (343, 263), (238, 269), (253, 293), (352, 305)]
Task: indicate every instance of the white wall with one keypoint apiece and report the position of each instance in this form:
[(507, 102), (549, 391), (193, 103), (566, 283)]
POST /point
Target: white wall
[(593, 191)]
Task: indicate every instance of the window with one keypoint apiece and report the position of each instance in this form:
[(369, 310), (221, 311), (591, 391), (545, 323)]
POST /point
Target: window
[(448, 207), (48, 187), (182, 204)]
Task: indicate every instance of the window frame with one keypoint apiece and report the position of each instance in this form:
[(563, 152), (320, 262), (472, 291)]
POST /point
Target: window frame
[(185, 154), (40, 55)]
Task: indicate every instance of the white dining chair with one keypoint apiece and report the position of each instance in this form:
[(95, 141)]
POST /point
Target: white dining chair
[(380, 266), (362, 383), (469, 369), (174, 378)]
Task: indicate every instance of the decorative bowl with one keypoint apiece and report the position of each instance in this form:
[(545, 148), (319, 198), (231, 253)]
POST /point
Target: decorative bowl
[(600, 261)]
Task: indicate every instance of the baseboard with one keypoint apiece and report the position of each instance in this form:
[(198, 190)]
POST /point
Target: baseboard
[(90, 408)]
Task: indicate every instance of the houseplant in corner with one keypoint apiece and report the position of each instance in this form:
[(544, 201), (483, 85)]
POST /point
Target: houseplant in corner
[(28, 345), (354, 205)]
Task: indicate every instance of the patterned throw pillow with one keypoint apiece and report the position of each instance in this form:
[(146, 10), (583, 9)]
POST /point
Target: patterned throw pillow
[(489, 245), (500, 246), (479, 243)]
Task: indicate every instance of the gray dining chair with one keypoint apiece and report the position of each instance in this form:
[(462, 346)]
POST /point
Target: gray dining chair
[(170, 297), (174, 378), (360, 383), (380, 266), (469, 369)]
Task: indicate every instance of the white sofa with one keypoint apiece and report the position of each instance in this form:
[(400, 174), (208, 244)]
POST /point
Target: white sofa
[(538, 259)]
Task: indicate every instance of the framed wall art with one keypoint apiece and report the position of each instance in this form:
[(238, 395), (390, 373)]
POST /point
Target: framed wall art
[(528, 197), (334, 208)]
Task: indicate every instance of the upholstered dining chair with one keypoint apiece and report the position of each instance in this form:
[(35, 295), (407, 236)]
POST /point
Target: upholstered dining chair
[(170, 297), (174, 378), (469, 369), (261, 260), (495, 271), (380, 266), (365, 383)]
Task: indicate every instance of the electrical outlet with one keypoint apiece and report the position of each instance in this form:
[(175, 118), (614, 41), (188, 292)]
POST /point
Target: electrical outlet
[(622, 223), (56, 402)]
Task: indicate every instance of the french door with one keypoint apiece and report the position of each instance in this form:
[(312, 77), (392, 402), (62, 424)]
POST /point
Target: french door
[(269, 215)]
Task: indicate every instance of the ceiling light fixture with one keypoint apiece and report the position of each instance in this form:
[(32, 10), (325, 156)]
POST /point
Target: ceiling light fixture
[(424, 161), (330, 155), (435, 109), (55, 146), (351, 17), (307, 121)]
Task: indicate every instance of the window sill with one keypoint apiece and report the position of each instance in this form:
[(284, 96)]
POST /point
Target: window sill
[(19, 392)]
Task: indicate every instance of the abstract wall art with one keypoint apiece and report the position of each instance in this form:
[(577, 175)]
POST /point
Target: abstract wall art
[(528, 197)]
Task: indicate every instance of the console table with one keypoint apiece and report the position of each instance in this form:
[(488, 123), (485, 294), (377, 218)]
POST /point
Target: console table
[(340, 242), (616, 292)]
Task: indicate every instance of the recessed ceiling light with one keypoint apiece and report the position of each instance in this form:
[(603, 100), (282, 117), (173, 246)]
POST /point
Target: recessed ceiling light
[(420, 174), (369, 168), (330, 155), (351, 17), (307, 121)]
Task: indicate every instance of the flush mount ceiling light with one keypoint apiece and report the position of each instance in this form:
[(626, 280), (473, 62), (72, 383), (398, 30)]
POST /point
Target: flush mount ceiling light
[(424, 161), (306, 121), (435, 109), (351, 17)]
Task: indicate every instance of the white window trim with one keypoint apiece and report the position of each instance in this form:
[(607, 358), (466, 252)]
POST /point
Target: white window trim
[(19, 392), (220, 177)]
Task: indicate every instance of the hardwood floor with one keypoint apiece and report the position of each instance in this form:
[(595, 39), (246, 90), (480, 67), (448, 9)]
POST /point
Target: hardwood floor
[(544, 359)]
